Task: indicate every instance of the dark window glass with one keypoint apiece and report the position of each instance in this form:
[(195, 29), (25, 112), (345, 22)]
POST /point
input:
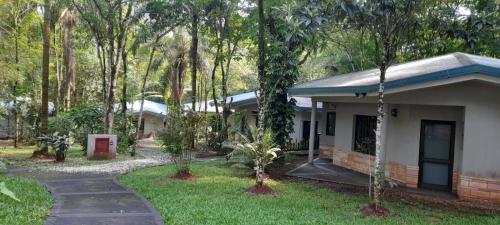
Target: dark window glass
[(364, 134), (330, 123), (142, 124)]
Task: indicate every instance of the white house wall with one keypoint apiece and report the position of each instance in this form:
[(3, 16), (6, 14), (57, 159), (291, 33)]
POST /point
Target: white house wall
[(298, 120), (152, 124), (481, 154), (474, 105)]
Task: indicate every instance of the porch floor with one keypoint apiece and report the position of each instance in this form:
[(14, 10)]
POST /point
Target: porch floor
[(325, 170)]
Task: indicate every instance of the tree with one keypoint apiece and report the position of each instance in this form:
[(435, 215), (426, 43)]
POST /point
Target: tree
[(455, 25), (67, 89), (261, 96), (44, 111), (293, 32), (108, 21), (164, 20), (193, 53), (390, 24)]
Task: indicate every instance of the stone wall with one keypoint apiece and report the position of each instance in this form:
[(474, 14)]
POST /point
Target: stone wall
[(401, 174), (467, 188), (474, 188), (325, 152), (404, 175)]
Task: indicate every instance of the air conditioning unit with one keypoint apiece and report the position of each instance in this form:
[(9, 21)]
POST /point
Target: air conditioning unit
[(101, 146)]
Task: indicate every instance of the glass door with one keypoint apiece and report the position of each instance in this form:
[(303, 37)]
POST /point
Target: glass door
[(437, 140)]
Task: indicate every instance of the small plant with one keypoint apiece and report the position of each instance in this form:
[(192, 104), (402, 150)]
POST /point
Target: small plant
[(7, 192), (179, 138), (261, 156), (60, 145)]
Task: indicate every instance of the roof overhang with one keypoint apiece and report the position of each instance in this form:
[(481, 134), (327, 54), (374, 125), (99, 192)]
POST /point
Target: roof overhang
[(472, 72)]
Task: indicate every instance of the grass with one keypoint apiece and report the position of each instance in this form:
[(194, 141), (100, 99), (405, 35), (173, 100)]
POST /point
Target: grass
[(34, 205), (20, 157), (218, 196)]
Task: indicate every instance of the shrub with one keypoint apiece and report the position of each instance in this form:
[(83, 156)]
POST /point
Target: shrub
[(126, 138), (78, 123), (249, 151), (179, 136), (61, 124)]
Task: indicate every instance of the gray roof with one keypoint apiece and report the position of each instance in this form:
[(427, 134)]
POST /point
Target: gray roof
[(9, 104), (410, 73), (151, 107), (200, 107), (249, 98)]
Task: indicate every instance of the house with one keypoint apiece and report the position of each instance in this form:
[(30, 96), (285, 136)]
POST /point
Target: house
[(247, 103), (203, 106), (442, 123), (152, 117), (8, 121)]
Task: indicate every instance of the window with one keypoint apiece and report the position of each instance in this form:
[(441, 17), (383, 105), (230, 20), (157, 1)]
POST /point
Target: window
[(330, 123), (256, 115), (364, 134)]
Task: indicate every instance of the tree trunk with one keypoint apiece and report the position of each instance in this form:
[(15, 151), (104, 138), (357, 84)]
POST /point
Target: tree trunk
[(124, 93), (16, 115), (110, 99), (44, 114), (214, 70), (14, 90), (261, 95), (379, 148), (68, 85), (194, 59), (101, 55), (143, 96)]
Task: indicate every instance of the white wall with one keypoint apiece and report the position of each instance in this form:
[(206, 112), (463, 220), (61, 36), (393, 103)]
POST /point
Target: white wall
[(474, 105), (152, 124), (326, 139), (298, 120)]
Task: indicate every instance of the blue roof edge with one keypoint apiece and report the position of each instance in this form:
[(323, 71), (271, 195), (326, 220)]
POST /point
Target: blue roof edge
[(440, 75)]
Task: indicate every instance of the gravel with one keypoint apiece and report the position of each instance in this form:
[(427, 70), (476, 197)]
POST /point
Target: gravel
[(152, 157)]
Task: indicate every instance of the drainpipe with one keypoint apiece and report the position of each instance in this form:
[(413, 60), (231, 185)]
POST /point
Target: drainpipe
[(312, 127)]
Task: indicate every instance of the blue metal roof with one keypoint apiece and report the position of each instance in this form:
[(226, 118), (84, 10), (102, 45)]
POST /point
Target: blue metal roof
[(406, 74)]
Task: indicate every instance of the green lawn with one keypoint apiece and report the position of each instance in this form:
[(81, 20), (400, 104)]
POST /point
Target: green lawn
[(20, 157), (218, 197), (34, 205)]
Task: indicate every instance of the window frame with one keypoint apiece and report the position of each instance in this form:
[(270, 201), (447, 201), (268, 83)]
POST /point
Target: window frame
[(328, 131), (371, 148)]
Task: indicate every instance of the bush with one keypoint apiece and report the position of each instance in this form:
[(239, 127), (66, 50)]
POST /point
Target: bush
[(179, 136), (61, 124), (259, 156), (78, 123), (217, 135), (126, 138)]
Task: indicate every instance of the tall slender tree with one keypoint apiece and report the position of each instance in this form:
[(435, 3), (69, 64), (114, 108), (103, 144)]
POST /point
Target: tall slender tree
[(67, 89), (110, 18), (44, 111), (390, 24), (193, 54), (262, 92)]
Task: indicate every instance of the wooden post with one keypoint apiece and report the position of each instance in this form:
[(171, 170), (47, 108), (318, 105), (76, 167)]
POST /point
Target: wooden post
[(312, 130)]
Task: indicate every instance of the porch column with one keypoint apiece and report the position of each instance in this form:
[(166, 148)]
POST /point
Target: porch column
[(312, 129)]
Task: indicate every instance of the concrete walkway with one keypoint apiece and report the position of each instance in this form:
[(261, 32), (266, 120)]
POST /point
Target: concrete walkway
[(97, 200), (325, 170)]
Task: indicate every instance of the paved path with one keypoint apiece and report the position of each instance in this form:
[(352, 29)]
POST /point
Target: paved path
[(97, 200)]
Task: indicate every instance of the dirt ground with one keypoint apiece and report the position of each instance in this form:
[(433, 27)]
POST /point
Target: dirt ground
[(6, 143), (278, 172)]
